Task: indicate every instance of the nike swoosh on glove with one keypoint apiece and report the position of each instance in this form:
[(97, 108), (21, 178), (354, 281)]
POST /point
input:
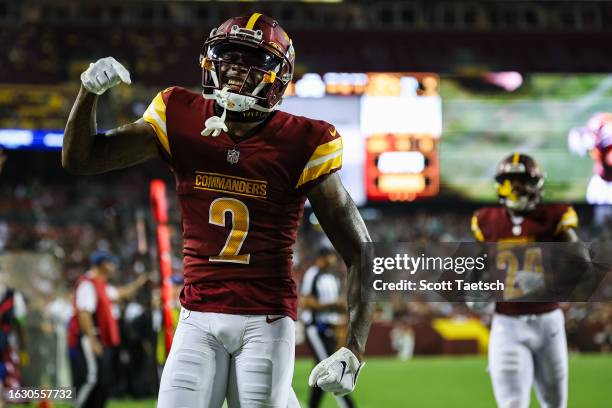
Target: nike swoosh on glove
[(338, 373), (103, 75)]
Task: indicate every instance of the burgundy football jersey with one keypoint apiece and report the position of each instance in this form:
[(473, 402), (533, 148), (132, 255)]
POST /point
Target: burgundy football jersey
[(241, 201), (543, 224)]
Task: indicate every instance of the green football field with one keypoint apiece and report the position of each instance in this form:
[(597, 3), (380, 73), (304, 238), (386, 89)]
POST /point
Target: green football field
[(446, 382)]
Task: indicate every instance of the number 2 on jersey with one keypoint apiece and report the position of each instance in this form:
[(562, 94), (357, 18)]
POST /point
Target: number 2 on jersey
[(240, 229)]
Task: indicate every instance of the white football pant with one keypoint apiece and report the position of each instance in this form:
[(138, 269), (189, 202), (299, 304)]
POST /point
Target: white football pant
[(216, 356), (526, 350)]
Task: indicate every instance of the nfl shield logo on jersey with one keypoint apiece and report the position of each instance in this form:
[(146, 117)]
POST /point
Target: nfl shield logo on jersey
[(232, 156)]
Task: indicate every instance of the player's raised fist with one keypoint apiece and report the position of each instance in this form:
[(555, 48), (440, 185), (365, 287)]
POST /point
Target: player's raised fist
[(103, 75), (337, 373)]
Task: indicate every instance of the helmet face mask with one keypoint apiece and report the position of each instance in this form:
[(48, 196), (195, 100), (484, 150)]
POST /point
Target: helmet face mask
[(239, 54), (240, 71), (519, 183), (247, 63)]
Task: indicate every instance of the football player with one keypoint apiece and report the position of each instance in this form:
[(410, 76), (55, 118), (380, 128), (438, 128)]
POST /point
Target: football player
[(527, 344), (243, 170)]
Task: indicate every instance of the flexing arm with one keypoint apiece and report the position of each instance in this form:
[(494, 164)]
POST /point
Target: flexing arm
[(85, 151), (342, 223)]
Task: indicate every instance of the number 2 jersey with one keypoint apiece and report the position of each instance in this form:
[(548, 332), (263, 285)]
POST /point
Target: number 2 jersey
[(543, 224), (241, 201)]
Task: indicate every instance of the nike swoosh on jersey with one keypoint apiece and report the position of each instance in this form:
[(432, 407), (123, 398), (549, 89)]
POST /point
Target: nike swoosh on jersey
[(332, 132), (271, 320)]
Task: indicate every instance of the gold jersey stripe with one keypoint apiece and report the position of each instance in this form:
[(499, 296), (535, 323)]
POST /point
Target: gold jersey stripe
[(323, 159), (312, 173), (155, 115), (476, 229), (515, 158), (326, 149), (252, 20), (568, 220)]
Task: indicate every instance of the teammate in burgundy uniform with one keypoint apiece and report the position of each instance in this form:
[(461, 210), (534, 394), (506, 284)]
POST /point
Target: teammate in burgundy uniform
[(527, 343), (243, 171), (596, 139)]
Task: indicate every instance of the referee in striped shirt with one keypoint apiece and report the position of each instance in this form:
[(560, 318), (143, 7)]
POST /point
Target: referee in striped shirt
[(322, 312)]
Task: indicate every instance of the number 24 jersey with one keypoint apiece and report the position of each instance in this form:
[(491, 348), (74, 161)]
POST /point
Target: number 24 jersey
[(543, 224)]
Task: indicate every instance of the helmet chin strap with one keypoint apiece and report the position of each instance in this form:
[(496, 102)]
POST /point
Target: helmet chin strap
[(241, 108), (214, 125), (248, 116)]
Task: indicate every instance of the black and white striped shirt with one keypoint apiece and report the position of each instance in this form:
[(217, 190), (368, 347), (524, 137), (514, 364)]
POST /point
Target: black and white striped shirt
[(325, 288)]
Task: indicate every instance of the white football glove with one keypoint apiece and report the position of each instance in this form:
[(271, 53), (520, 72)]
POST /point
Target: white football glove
[(103, 75), (337, 373), (529, 281)]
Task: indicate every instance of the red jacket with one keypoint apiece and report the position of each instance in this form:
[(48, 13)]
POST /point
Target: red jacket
[(105, 323)]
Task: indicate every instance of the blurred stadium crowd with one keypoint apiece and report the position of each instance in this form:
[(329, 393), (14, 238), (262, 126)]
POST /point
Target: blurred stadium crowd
[(50, 42)]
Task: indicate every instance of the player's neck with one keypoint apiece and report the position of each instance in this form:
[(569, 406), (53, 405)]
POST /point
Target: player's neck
[(242, 130), (242, 125)]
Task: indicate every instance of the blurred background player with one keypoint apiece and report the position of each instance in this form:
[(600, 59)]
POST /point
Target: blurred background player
[(243, 171), (528, 343), (596, 139), (94, 331), (13, 349), (323, 314)]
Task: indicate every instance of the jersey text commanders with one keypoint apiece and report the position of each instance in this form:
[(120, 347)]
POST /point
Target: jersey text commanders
[(230, 184)]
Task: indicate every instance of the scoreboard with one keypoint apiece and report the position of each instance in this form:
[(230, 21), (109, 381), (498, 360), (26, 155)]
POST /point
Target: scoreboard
[(391, 124), (401, 117), (401, 166)]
